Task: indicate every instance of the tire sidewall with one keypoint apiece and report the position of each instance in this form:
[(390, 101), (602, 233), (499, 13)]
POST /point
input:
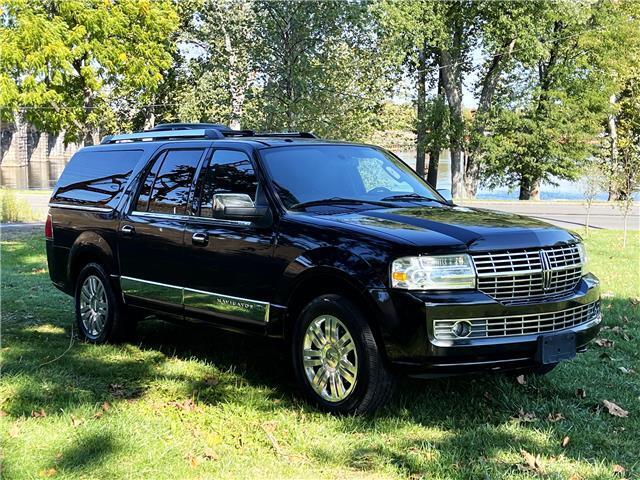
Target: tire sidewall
[(98, 271), (353, 320)]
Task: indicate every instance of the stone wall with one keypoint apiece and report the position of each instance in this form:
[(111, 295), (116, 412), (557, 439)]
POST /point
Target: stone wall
[(21, 144)]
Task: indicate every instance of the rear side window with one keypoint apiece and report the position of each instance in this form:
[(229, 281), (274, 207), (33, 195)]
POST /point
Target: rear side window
[(169, 181), (96, 177)]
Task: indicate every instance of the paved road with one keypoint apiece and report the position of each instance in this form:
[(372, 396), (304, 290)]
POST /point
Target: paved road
[(568, 214), (564, 214)]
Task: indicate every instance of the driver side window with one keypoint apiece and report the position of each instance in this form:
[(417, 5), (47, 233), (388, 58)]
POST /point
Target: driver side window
[(376, 176), (229, 176)]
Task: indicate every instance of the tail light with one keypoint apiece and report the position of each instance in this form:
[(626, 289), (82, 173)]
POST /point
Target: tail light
[(48, 228)]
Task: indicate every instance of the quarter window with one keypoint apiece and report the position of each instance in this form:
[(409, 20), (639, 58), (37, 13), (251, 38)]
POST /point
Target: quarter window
[(228, 172), (169, 182)]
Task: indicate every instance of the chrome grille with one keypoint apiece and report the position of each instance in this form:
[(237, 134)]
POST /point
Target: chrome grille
[(512, 325), (525, 276)]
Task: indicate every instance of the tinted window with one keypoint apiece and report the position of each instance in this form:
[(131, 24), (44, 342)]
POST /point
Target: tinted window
[(319, 172), (147, 185), (173, 181), (228, 171), (96, 176)]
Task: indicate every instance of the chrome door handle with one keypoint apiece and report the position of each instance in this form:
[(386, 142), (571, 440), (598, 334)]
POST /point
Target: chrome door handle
[(127, 230), (200, 239)]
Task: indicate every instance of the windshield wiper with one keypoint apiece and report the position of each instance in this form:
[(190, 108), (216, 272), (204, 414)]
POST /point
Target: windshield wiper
[(412, 196), (338, 201)]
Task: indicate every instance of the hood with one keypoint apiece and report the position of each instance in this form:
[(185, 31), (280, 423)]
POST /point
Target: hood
[(477, 229)]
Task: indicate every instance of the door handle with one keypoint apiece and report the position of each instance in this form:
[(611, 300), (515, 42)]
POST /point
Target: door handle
[(200, 239), (128, 230)]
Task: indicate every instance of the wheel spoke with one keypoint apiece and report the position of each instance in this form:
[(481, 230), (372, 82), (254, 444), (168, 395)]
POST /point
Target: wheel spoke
[(331, 328), (320, 379), (317, 336), (340, 385), (333, 387), (312, 358), (347, 370), (345, 344)]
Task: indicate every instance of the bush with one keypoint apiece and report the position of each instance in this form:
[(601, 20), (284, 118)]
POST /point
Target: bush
[(12, 209)]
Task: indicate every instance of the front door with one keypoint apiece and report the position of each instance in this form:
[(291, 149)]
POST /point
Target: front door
[(231, 269), (151, 247)]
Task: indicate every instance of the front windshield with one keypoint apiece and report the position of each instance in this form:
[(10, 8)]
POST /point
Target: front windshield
[(312, 173)]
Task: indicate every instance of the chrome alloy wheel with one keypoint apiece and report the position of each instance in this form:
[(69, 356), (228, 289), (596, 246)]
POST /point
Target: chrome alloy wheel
[(330, 358), (93, 306)]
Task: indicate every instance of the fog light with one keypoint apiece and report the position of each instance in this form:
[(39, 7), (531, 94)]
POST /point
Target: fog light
[(461, 329)]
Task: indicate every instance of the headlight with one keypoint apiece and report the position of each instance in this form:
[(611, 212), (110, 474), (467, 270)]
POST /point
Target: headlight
[(438, 272), (582, 250)]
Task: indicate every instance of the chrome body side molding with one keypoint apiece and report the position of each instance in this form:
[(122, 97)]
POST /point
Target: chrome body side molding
[(215, 303), (86, 208)]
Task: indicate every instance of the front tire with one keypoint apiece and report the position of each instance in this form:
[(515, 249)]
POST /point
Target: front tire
[(99, 313), (336, 358)]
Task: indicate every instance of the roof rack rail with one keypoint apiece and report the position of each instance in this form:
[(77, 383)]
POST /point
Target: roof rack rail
[(189, 126), (206, 133), (211, 131)]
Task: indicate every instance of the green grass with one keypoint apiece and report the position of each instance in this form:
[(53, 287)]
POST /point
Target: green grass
[(192, 402)]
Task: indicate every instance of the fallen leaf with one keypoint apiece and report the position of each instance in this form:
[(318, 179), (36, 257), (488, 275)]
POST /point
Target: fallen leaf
[(98, 414), (49, 472), (76, 422), (533, 463), (211, 380), (614, 409), (618, 470), (187, 405), (3, 413), (581, 393), (105, 406), (526, 416), (565, 442), (626, 371), (210, 454), (555, 417), (604, 342), (116, 390), (520, 379), (193, 459), (39, 414)]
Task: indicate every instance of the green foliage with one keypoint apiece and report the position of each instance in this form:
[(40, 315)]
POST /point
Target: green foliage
[(550, 107), (13, 209), (67, 60)]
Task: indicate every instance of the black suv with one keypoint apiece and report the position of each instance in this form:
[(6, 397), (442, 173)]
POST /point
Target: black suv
[(338, 248)]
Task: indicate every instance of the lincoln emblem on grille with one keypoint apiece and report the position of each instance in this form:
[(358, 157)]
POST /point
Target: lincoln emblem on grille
[(546, 269)]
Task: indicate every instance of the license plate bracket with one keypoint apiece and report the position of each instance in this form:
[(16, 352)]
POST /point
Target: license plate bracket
[(555, 347)]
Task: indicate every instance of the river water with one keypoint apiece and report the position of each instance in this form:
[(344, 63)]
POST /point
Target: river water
[(43, 176)]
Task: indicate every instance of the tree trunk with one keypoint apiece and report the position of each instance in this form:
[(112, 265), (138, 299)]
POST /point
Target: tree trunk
[(529, 188), (235, 85), (421, 129), (614, 193), (450, 66), (489, 84), (434, 151)]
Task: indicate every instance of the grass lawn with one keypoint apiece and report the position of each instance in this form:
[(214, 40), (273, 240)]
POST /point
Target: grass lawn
[(192, 402)]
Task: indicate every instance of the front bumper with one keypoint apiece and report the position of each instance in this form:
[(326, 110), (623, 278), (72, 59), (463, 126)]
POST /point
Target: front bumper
[(412, 346)]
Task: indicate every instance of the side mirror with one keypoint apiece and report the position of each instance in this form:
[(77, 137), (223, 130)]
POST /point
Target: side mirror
[(236, 206), (446, 194)]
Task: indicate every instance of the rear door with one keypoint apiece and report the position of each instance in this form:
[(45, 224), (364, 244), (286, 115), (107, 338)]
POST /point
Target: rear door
[(151, 233), (232, 274)]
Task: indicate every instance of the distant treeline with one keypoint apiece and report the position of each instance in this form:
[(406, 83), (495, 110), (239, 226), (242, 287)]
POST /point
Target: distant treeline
[(556, 84)]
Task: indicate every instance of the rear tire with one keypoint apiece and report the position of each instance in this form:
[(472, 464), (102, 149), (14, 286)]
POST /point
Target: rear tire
[(99, 312), (337, 360)]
